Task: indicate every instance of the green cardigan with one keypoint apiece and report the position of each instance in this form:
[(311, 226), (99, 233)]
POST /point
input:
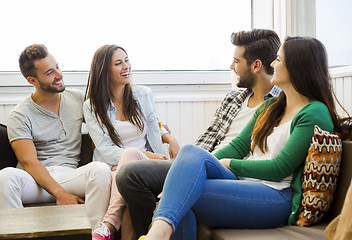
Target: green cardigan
[(292, 157)]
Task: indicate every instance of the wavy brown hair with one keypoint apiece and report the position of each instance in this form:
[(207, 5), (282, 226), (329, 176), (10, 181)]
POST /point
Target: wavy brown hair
[(261, 44), (307, 66), (100, 96), (29, 56)]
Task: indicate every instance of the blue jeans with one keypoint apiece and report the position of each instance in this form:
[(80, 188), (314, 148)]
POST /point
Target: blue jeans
[(199, 189)]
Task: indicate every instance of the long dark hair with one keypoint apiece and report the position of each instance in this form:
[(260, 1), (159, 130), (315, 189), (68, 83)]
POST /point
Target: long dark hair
[(100, 96), (307, 66)]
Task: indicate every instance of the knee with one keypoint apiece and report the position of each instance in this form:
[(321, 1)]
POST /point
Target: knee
[(99, 171), (100, 168), (189, 151), (126, 174), (130, 152), (7, 178), (190, 147)]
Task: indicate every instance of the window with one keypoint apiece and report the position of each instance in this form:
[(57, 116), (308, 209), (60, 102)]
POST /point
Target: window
[(157, 34), (333, 29)]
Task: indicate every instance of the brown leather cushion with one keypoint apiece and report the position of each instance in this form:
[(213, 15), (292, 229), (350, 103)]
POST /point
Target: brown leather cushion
[(7, 156), (344, 179)]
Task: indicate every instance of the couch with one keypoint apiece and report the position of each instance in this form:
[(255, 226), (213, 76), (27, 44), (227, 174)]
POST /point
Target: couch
[(205, 233), (315, 232)]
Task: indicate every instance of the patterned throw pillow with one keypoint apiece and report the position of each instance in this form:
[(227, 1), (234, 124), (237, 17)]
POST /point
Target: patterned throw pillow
[(319, 177)]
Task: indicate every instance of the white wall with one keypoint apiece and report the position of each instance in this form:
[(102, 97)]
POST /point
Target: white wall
[(186, 101)]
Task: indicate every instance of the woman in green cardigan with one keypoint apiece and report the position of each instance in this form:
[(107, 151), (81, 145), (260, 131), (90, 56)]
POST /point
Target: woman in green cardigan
[(254, 182)]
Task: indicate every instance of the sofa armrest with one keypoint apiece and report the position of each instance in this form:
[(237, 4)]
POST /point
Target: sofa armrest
[(343, 181)]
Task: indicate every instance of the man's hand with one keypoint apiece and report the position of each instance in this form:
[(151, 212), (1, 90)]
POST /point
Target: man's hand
[(65, 198), (152, 155)]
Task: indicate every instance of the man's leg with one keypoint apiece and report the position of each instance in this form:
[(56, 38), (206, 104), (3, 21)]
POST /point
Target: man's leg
[(18, 187), (91, 181), (140, 183)]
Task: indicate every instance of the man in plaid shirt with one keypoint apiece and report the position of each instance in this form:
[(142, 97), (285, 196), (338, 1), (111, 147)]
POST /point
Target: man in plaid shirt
[(140, 182), (224, 116)]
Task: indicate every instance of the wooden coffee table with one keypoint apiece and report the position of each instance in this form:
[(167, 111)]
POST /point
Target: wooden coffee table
[(45, 222)]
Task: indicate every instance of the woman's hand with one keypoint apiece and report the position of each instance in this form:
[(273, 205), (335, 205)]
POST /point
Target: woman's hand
[(152, 155), (225, 162), (174, 147)]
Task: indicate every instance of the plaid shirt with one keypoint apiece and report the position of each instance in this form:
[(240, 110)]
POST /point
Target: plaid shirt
[(224, 115)]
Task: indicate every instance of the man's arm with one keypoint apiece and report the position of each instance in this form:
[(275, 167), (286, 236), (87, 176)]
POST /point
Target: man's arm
[(27, 156), (224, 114)]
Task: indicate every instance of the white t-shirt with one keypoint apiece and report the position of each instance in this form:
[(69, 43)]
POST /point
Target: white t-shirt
[(276, 142), (239, 122), (131, 135)]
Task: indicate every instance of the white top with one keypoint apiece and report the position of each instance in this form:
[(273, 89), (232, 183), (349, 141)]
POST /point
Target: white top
[(239, 122), (276, 142), (105, 149), (131, 135)]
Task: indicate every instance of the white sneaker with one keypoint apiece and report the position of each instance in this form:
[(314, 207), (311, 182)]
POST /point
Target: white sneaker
[(101, 233)]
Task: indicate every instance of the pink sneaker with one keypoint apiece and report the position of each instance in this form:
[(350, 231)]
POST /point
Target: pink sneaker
[(101, 233)]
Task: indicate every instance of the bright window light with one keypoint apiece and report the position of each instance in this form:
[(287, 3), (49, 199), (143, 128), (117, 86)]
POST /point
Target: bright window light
[(333, 29), (157, 34)]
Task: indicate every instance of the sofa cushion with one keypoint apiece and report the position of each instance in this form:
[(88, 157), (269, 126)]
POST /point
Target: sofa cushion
[(7, 156), (86, 150), (315, 232), (319, 179)]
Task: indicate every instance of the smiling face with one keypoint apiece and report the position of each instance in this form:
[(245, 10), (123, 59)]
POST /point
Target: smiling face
[(281, 76), (246, 79), (49, 76), (119, 69)]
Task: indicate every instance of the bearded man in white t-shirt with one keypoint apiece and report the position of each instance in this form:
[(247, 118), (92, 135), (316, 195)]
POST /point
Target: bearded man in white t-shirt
[(45, 133)]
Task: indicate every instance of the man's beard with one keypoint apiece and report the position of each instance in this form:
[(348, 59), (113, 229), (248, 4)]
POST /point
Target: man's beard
[(52, 89), (247, 80)]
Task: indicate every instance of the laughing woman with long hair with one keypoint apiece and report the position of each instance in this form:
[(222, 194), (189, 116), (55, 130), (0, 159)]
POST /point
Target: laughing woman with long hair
[(254, 182), (122, 123)]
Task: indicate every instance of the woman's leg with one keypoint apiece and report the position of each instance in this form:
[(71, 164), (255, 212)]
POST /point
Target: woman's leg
[(242, 204), (187, 228), (185, 182), (236, 204), (116, 205)]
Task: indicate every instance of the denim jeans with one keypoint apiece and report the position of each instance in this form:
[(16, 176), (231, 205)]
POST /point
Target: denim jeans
[(199, 189)]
